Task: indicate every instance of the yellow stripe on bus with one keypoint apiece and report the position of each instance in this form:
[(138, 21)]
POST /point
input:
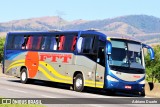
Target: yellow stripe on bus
[(50, 68), (10, 67), (51, 78), (93, 82), (91, 85), (18, 61), (99, 86), (100, 83), (53, 71)]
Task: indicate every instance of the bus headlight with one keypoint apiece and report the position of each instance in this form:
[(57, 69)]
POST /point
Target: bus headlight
[(111, 78), (142, 82)]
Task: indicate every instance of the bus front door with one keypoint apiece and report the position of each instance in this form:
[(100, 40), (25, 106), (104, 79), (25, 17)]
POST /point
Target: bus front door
[(100, 70)]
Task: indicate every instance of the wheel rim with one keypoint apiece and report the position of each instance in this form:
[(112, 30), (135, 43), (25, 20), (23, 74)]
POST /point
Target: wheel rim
[(24, 76), (79, 83)]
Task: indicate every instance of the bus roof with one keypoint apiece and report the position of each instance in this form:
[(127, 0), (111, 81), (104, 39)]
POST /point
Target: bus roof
[(55, 32), (102, 36)]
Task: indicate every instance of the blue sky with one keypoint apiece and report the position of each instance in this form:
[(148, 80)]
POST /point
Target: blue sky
[(76, 9)]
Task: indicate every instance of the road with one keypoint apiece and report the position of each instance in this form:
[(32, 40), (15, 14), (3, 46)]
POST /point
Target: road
[(11, 87)]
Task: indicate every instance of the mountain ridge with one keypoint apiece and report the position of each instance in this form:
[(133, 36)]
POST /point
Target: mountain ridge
[(138, 26)]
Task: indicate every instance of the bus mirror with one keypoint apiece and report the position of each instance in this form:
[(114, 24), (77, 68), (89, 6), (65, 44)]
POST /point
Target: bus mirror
[(108, 48), (79, 44), (150, 50), (98, 60)]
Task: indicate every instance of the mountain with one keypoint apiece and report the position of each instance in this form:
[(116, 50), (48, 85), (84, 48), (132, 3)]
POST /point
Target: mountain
[(33, 24), (143, 27)]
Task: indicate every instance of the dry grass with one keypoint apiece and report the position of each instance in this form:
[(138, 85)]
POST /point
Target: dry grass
[(3, 34)]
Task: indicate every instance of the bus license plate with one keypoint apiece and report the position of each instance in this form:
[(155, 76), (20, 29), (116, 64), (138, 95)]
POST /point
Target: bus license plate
[(128, 87)]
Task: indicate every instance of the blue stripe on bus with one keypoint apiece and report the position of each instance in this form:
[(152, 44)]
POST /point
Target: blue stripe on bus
[(10, 54)]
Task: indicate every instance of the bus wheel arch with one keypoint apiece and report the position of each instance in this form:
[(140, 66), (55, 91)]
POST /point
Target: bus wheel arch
[(78, 81), (24, 75), (142, 93)]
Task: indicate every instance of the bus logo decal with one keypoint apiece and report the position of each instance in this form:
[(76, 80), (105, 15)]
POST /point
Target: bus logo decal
[(64, 57)]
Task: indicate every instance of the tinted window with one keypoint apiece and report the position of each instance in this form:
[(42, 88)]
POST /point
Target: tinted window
[(53, 45), (36, 42), (87, 44), (67, 42), (32, 42), (61, 42), (18, 40), (70, 43), (10, 41), (15, 42), (90, 44), (49, 43), (101, 56), (95, 45)]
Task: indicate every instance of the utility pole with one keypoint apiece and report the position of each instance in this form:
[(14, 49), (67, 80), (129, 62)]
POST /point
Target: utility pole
[(59, 15), (12, 26)]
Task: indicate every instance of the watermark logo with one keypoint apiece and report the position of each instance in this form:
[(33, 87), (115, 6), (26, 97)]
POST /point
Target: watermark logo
[(6, 101)]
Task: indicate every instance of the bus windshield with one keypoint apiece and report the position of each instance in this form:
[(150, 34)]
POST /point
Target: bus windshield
[(126, 54)]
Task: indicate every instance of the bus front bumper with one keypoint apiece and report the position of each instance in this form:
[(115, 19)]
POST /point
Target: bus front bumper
[(125, 86)]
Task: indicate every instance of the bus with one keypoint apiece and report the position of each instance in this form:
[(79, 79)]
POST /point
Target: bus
[(79, 58)]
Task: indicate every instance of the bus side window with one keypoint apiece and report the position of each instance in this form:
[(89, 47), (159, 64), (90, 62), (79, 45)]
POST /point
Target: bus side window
[(38, 42), (101, 56), (95, 45), (18, 40), (45, 43), (24, 42), (74, 43), (70, 42), (10, 42), (34, 42), (66, 42), (53, 45), (87, 44), (61, 42), (29, 42)]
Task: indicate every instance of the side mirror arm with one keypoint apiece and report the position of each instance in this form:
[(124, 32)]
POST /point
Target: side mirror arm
[(108, 48), (150, 49)]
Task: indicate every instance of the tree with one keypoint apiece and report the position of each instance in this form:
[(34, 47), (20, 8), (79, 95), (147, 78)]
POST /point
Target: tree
[(153, 67), (2, 40)]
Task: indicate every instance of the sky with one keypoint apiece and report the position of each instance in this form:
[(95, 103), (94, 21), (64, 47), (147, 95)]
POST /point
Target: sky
[(76, 9)]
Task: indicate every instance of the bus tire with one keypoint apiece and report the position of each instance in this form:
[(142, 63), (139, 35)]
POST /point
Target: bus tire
[(24, 76), (110, 92), (78, 83), (142, 94)]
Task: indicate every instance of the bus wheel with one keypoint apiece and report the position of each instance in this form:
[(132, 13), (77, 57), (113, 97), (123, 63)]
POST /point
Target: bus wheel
[(142, 94), (24, 77), (78, 83)]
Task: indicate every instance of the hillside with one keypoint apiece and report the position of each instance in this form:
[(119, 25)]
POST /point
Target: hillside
[(143, 27)]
